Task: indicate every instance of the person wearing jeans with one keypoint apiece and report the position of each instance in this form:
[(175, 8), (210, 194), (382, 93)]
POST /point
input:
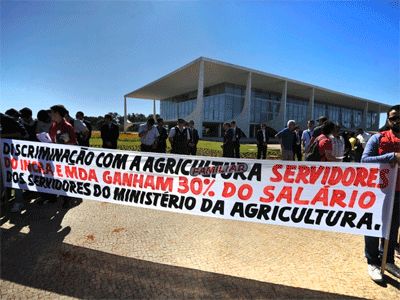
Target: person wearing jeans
[(384, 147)]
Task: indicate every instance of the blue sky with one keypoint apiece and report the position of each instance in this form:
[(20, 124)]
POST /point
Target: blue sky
[(87, 55)]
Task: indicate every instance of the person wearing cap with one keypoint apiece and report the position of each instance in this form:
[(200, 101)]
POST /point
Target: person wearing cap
[(148, 134), (29, 123), (109, 133), (162, 136), (194, 138), (179, 138), (287, 138)]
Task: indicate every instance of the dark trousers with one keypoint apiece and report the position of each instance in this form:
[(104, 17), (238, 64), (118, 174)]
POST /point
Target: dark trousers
[(297, 152), (261, 151), (236, 149), (161, 150), (146, 148), (228, 151), (192, 150), (372, 251)]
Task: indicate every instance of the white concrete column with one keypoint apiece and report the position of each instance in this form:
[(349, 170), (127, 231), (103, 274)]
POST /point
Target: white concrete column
[(125, 115), (154, 110), (200, 101), (365, 116), (283, 104), (310, 108), (243, 121)]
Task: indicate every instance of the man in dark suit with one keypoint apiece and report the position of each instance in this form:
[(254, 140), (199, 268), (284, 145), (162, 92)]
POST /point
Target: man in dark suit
[(262, 142), (83, 136), (109, 133), (162, 137), (228, 145), (237, 135), (194, 138), (297, 143)]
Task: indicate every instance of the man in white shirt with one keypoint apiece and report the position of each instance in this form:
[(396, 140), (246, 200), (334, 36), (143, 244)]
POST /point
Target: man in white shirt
[(337, 143), (307, 135), (148, 134), (363, 137)]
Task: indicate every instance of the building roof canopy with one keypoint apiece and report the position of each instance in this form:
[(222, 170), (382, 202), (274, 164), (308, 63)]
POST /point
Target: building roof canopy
[(185, 79)]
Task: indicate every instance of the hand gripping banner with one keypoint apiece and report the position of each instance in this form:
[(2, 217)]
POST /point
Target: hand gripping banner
[(343, 197)]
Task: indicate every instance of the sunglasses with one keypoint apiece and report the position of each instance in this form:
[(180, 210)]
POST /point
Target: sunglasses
[(394, 119)]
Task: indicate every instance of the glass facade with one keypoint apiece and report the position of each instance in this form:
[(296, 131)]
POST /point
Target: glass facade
[(296, 109), (348, 117), (264, 106), (224, 102), (372, 120)]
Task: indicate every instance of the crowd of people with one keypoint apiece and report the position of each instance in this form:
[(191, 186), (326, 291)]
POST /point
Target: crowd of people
[(325, 142), (327, 139)]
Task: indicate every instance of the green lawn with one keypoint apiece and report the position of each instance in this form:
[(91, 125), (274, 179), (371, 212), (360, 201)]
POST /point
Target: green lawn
[(204, 148)]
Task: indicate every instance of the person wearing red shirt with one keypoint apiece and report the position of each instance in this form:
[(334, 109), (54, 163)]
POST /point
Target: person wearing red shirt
[(384, 147), (61, 132), (325, 143)]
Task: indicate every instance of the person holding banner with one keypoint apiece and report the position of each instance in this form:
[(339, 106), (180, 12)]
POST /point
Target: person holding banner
[(61, 132), (325, 143), (384, 147)]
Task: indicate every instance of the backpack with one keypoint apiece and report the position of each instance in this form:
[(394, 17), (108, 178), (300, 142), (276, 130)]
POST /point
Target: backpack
[(313, 153)]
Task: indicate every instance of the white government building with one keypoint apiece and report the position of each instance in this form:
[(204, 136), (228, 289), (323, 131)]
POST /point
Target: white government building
[(212, 92)]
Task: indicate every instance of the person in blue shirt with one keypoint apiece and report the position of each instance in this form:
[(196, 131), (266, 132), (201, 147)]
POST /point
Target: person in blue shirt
[(287, 138)]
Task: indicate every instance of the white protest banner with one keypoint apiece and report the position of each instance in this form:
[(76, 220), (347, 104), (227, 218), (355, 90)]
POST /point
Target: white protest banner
[(341, 197)]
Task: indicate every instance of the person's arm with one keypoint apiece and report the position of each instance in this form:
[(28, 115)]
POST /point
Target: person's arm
[(326, 145), (103, 132), (303, 138), (196, 137), (171, 135), (72, 136), (142, 130), (259, 138), (164, 134), (279, 134), (116, 132), (371, 152)]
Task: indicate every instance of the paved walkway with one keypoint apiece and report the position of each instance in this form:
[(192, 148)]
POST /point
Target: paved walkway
[(99, 250)]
